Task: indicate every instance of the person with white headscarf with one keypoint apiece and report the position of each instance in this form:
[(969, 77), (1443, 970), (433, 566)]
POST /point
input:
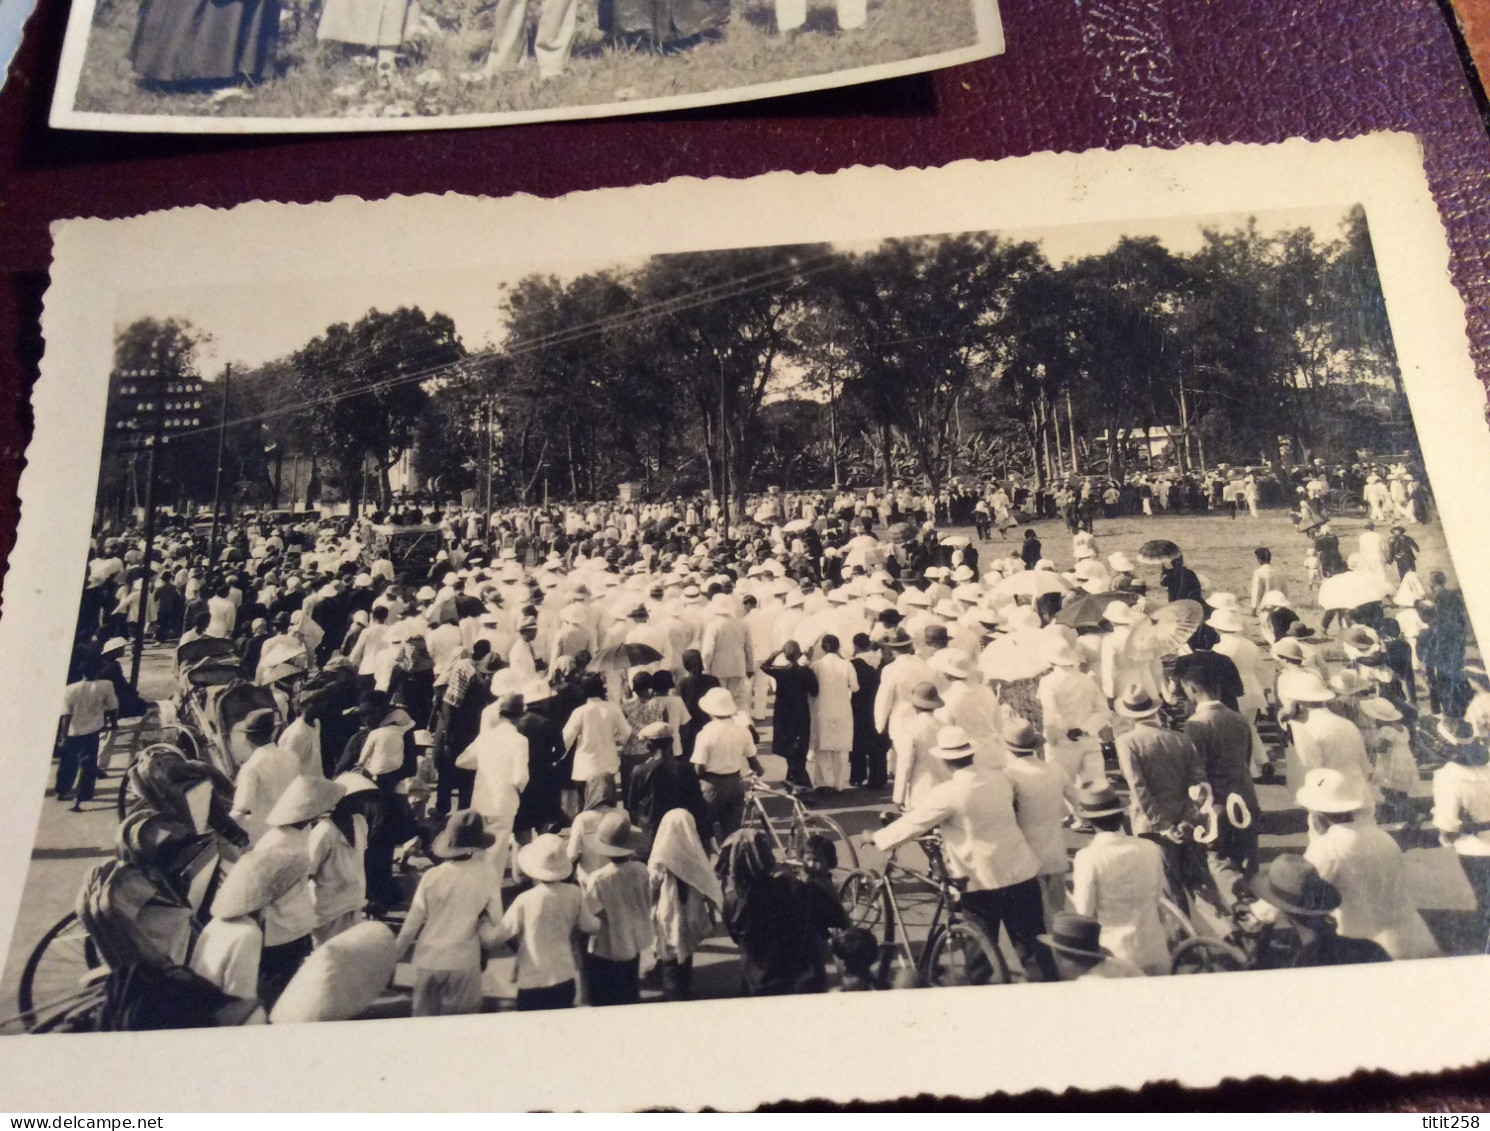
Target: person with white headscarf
[(686, 898)]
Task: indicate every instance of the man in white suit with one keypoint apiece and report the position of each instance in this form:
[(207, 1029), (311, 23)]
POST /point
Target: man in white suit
[(982, 842), (1117, 879), (1040, 807)]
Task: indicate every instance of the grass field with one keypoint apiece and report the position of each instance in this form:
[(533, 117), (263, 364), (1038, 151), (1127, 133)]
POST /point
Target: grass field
[(1221, 548), (326, 80)]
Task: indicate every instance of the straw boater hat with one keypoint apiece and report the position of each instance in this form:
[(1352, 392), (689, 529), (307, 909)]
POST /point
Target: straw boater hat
[(354, 782), (953, 744), (304, 799), (1459, 744), (546, 858), (511, 706), (1360, 640), (1098, 801), (898, 640), (464, 834), (1020, 736), (1221, 600), (1293, 884), (617, 836), (1118, 612), (717, 701), (654, 732), (1288, 650), (1120, 563), (948, 608), (1304, 687), (936, 636), (1380, 709), (1349, 682), (1225, 619), (1076, 935), (953, 663), (1330, 791), (115, 644), (925, 697), (257, 880), (1136, 703)]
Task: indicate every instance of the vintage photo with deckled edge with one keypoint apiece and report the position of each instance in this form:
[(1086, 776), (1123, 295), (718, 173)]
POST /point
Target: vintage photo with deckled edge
[(1091, 202), (315, 66)]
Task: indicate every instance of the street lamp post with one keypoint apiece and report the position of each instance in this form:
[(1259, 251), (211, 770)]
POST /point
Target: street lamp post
[(222, 434)]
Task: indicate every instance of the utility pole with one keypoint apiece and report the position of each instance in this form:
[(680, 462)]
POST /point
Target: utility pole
[(486, 526), (723, 453), (222, 434)]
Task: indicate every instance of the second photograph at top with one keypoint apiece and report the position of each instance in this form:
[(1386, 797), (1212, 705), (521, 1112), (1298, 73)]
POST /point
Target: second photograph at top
[(271, 66)]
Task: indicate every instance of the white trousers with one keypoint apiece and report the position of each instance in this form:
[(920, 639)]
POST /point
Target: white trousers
[(792, 14), (556, 25), (496, 855), (829, 769)]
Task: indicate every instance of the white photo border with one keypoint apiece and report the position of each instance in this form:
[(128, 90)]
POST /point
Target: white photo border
[(65, 116), (1406, 1017)]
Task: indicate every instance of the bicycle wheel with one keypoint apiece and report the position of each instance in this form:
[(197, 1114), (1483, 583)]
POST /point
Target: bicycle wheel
[(57, 971), (962, 954), (1201, 955), (867, 905), (818, 825)]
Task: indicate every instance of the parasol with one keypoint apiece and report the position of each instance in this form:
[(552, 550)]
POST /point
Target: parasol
[(619, 657), (1085, 610), (1032, 583), (1161, 634), (1159, 551), (1020, 655), (796, 526), (1350, 590)]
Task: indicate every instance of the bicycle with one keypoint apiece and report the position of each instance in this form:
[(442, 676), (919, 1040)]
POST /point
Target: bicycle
[(790, 831), (957, 950)]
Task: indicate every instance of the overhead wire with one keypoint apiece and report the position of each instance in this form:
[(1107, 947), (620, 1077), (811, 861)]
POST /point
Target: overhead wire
[(689, 300)]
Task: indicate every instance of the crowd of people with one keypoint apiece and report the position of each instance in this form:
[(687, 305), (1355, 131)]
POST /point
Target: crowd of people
[(591, 686)]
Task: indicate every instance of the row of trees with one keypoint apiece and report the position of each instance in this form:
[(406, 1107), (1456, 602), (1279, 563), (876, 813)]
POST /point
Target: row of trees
[(921, 358)]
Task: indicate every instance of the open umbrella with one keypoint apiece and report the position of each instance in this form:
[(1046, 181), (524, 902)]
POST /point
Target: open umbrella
[(1351, 590), (1159, 551), (1086, 609), (1154, 637), (1032, 583), (1020, 655), (796, 526), (619, 657)]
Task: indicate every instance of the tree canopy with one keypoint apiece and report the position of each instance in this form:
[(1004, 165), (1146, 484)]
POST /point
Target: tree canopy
[(919, 359)]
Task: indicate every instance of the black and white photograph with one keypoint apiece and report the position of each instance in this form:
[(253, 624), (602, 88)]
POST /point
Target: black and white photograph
[(270, 66), (949, 612)]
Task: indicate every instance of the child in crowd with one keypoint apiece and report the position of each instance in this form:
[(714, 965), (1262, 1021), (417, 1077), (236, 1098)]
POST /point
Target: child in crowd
[(618, 894), (444, 925), (542, 922)]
